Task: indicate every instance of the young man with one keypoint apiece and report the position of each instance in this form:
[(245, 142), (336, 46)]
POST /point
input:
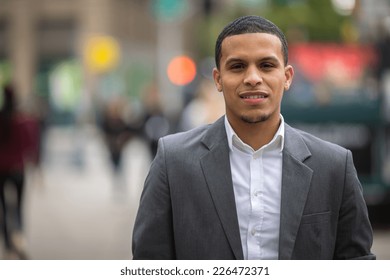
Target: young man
[(249, 186)]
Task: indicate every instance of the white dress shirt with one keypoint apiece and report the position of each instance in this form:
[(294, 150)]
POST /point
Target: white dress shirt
[(257, 183)]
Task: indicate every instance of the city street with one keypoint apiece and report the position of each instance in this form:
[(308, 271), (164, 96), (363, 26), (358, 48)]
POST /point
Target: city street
[(76, 208)]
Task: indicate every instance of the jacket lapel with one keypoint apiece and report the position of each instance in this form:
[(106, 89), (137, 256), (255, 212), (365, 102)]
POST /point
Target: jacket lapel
[(216, 169), (296, 178)]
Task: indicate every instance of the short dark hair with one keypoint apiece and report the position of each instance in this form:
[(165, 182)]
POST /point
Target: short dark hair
[(250, 24)]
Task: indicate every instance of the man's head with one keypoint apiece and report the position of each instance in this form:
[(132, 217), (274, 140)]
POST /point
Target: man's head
[(250, 24), (252, 72)]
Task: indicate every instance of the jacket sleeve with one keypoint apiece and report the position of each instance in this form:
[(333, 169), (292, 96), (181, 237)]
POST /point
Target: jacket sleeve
[(354, 232), (153, 230)]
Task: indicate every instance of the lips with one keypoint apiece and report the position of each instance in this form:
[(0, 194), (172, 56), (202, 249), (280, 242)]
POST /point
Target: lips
[(253, 95)]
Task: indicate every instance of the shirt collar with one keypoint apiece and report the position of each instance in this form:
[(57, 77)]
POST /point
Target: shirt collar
[(234, 140)]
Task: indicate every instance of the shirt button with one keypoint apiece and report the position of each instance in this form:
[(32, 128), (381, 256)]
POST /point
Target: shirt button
[(257, 193), (253, 232)]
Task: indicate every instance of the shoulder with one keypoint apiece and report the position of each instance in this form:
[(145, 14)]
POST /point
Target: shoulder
[(318, 148), (183, 148), (186, 138), (312, 140), (204, 136)]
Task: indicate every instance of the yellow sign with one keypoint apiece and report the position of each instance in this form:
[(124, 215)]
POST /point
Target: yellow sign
[(101, 53)]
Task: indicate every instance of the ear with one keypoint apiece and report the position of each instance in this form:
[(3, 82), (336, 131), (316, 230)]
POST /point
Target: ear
[(217, 79), (289, 74)]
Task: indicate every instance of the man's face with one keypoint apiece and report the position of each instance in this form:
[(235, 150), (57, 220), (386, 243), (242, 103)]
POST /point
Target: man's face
[(252, 77)]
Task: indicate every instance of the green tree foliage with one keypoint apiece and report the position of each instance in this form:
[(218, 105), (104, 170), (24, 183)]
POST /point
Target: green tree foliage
[(308, 20), (317, 19)]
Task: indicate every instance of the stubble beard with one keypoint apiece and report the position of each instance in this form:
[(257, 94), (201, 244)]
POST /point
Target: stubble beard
[(254, 119)]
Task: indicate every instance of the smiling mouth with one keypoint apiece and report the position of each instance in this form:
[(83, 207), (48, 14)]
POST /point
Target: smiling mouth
[(253, 97)]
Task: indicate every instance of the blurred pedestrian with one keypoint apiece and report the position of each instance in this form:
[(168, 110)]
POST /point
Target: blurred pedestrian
[(249, 186), (116, 131), (155, 123), (382, 47), (17, 143), (205, 108), (383, 64)]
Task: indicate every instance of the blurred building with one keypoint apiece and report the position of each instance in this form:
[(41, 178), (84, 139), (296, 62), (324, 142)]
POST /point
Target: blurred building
[(37, 34), (34, 32)]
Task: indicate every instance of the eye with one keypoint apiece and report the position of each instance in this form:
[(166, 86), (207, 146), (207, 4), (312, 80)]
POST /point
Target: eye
[(267, 65), (237, 66)]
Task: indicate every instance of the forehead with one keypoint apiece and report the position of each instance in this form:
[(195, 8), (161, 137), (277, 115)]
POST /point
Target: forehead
[(251, 44)]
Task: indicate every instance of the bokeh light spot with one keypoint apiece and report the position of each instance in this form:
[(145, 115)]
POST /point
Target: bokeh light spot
[(102, 53), (181, 70)]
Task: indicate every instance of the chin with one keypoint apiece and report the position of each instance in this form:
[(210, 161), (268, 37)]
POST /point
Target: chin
[(255, 119)]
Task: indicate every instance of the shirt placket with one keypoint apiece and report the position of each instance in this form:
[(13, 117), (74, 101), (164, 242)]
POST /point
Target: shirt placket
[(257, 206)]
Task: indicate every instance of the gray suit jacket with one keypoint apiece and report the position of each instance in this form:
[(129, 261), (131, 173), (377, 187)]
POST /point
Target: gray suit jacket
[(187, 208)]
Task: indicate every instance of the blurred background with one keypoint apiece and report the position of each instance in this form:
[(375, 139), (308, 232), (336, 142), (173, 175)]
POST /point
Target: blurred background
[(97, 82)]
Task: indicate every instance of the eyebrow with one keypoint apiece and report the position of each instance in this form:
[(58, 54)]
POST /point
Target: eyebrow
[(234, 60), (267, 58), (271, 58)]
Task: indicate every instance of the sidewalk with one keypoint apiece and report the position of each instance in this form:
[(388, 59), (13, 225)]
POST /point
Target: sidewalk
[(76, 208)]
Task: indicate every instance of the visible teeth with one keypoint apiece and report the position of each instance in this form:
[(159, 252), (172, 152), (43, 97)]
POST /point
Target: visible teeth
[(254, 97)]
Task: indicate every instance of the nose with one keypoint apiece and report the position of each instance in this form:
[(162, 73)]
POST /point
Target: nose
[(253, 76)]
